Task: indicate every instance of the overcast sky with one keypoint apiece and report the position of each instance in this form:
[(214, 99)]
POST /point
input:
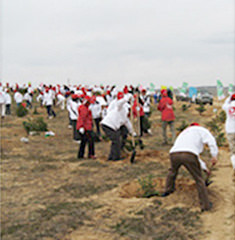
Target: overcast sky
[(166, 42)]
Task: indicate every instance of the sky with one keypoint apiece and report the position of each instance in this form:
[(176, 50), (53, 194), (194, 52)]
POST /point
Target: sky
[(165, 42)]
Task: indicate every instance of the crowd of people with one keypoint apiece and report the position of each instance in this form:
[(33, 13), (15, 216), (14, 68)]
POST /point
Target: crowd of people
[(91, 109)]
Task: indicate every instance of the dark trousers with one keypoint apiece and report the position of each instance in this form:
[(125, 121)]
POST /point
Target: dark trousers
[(29, 104), (191, 163), (87, 137), (70, 121), (143, 125), (8, 109), (97, 124), (124, 135), (114, 136), (76, 135), (50, 111)]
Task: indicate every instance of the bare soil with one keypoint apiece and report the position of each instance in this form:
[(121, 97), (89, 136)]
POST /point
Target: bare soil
[(47, 193)]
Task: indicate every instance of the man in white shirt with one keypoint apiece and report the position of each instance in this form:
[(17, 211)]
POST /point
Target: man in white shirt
[(72, 108), (8, 102), (112, 123), (2, 103), (96, 110), (48, 102), (18, 97), (60, 100), (229, 108), (185, 151)]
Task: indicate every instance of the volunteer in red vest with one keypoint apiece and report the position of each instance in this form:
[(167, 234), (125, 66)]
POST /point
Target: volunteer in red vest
[(112, 123), (229, 108), (168, 116), (84, 126), (185, 152)]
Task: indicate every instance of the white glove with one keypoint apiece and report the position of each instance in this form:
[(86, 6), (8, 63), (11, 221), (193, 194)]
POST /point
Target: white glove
[(134, 134), (82, 130), (138, 109)]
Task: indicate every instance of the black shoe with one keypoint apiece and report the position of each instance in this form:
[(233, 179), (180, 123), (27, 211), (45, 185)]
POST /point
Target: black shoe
[(208, 182), (119, 159), (207, 209), (165, 194)]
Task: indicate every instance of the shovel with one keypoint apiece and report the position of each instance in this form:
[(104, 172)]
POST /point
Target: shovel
[(208, 181), (132, 159), (138, 124)]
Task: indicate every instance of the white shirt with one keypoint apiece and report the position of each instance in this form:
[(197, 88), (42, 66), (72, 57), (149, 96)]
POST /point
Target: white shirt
[(8, 98), (192, 139), (18, 97), (72, 107), (118, 116), (229, 108), (60, 97), (147, 101), (2, 97), (47, 99), (95, 110), (27, 97), (39, 97)]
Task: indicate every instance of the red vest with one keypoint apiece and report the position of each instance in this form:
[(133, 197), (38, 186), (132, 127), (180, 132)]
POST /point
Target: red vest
[(165, 106), (84, 118)]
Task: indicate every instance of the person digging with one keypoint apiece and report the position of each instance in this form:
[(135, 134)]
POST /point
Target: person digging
[(185, 151)]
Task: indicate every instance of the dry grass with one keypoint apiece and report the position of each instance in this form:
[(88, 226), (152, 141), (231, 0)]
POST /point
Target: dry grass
[(47, 193)]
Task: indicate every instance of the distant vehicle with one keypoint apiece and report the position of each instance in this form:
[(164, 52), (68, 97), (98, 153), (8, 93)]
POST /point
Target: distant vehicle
[(182, 97), (204, 97)]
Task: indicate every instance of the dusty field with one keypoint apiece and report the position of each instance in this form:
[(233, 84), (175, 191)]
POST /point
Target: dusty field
[(46, 193)]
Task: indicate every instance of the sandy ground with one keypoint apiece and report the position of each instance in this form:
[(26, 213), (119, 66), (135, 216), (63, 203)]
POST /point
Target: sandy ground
[(27, 185), (220, 222)]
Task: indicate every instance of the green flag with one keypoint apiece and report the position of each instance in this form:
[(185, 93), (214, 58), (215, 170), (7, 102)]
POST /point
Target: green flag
[(220, 90), (152, 87), (184, 88), (230, 89)]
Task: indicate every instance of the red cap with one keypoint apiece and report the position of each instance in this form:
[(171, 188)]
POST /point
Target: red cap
[(120, 95), (194, 124), (233, 97), (125, 89), (143, 90), (74, 96), (86, 99), (92, 99), (164, 92)]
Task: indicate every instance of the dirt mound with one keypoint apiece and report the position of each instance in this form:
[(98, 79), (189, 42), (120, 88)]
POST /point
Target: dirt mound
[(134, 189)]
